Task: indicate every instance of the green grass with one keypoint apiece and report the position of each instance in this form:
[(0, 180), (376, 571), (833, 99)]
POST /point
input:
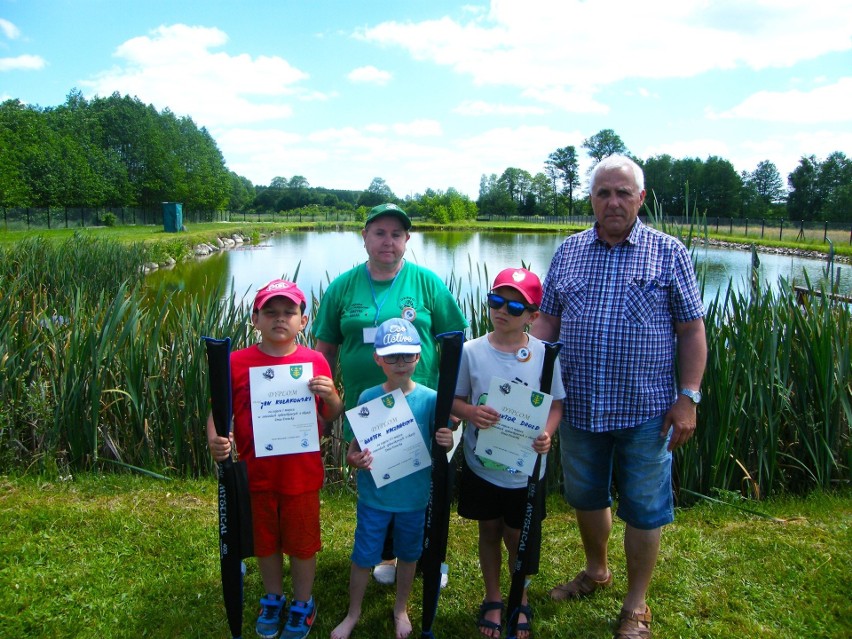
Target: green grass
[(125, 556)]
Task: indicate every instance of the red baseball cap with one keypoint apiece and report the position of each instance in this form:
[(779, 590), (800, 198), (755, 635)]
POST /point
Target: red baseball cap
[(523, 281), (276, 288)]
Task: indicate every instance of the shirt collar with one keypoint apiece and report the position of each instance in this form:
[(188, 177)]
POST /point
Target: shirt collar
[(632, 238)]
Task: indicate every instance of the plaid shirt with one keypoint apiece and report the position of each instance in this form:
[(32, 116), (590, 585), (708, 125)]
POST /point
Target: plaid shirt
[(618, 307)]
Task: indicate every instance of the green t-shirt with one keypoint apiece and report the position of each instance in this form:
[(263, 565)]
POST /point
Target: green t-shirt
[(350, 304)]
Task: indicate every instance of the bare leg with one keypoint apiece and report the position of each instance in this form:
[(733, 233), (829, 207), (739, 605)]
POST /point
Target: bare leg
[(595, 526), (272, 572), (490, 561), (511, 537), (302, 573), (358, 579), (404, 581), (641, 547)]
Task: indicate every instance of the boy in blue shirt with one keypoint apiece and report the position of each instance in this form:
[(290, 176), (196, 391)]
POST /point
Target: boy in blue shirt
[(401, 503)]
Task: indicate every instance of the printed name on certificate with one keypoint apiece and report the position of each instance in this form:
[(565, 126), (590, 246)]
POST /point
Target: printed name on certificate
[(283, 410)]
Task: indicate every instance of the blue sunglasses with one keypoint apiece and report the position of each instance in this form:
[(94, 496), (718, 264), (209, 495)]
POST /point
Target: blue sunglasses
[(515, 309)]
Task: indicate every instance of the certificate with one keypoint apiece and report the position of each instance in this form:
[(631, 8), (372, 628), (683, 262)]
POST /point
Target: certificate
[(283, 410), (523, 416), (387, 427)]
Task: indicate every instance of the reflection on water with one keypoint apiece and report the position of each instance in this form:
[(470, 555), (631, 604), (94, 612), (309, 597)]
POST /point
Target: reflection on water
[(320, 256)]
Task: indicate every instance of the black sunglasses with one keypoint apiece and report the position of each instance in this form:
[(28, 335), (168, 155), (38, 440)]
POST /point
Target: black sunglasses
[(406, 357), (516, 309)]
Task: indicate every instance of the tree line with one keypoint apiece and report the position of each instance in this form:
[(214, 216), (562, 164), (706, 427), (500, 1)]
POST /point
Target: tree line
[(107, 152), (119, 152), (816, 190)]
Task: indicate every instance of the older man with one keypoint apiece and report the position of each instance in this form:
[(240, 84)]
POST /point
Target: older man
[(623, 300)]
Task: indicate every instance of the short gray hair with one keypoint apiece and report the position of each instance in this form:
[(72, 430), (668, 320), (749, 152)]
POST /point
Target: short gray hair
[(617, 161)]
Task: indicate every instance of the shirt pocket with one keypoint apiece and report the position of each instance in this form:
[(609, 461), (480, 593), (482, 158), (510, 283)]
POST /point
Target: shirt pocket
[(641, 302), (572, 294)]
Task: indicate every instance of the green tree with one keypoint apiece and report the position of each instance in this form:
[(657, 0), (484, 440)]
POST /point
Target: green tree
[(377, 193), (564, 166), (834, 183), (804, 201), (604, 143), (517, 183), (494, 198)]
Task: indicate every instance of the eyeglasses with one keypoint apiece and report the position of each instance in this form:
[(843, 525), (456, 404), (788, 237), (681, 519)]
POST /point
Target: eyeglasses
[(406, 357), (515, 309)]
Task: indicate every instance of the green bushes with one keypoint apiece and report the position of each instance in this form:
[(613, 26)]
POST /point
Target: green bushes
[(96, 368)]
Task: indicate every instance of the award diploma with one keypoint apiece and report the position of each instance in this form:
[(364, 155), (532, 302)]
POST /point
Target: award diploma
[(387, 427), (283, 410), (523, 416)]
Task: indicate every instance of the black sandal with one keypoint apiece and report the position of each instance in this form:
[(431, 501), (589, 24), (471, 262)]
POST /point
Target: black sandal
[(524, 626), (488, 606)]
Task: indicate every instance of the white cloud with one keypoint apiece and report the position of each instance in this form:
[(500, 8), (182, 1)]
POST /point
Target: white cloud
[(22, 63), (419, 129), (542, 47), (480, 107), (175, 67), (9, 30), (824, 104), (369, 75)]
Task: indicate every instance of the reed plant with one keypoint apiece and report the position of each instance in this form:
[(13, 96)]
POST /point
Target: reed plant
[(97, 370)]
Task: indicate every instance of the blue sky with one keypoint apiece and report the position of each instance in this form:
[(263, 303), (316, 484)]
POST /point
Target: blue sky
[(435, 94)]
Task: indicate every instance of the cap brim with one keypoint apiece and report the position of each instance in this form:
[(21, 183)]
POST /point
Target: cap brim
[(401, 349)]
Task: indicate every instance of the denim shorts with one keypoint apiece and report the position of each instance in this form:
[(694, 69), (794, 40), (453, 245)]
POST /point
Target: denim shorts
[(642, 467), (372, 527)]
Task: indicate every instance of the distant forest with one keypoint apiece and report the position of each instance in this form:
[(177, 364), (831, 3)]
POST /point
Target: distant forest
[(118, 152)]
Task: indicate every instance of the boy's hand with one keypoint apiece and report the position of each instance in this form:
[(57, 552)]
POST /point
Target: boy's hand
[(322, 386), (483, 417), (220, 447), (360, 458), (541, 444), (444, 437)]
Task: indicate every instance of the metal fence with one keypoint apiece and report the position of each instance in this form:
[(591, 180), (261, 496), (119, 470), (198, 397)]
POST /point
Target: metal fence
[(72, 217), (770, 229), (27, 218)]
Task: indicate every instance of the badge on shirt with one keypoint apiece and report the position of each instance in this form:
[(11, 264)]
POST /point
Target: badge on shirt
[(408, 313), (370, 334)]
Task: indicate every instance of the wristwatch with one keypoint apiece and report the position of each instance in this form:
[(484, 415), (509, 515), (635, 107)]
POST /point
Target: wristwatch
[(694, 395)]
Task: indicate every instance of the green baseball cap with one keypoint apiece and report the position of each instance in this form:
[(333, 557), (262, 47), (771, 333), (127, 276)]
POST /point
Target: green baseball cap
[(389, 209)]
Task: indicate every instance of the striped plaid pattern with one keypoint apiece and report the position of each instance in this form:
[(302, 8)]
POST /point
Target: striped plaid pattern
[(618, 307)]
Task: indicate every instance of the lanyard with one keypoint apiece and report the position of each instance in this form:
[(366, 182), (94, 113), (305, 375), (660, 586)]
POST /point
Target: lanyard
[(373, 291)]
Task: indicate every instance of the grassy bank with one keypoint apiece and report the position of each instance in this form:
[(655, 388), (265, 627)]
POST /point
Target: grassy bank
[(124, 556), (170, 243)]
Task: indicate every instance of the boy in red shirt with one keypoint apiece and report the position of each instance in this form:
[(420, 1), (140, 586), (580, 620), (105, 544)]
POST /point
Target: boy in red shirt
[(284, 482)]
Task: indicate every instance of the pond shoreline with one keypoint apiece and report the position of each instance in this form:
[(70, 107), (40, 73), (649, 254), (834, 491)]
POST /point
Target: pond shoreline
[(775, 250)]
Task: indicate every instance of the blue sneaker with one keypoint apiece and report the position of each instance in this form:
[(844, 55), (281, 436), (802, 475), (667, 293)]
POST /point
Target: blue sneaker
[(301, 619), (269, 620)]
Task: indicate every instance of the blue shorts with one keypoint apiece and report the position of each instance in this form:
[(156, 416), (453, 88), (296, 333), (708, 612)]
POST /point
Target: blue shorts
[(372, 527), (643, 472)]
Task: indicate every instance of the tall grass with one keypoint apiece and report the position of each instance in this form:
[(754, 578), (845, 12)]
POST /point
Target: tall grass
[(777, 404), (97, 370)]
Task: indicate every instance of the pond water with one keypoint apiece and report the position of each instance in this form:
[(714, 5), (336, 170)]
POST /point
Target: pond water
[(316, 257)]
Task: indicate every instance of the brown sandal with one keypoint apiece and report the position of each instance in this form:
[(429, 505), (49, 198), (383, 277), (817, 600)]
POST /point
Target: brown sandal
[(580, 586), (634, 625)]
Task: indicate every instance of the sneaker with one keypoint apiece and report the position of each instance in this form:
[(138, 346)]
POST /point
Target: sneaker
[(385, 574), (269, 620), (445, 579), (301, 619)]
